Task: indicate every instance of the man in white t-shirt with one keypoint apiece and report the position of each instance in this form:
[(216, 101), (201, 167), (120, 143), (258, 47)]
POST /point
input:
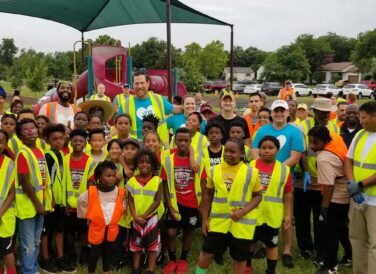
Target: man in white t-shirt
[(360, 171), (60, 111)]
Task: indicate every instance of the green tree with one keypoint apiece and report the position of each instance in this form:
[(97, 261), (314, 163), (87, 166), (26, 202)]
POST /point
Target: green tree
[(239, 57), (213, 59), (106, 40), (365, 50), (190, 73), (59, 65), (254, 57), (288, 62), (314, 50), (341, 46), (36, 76), (8, 51)]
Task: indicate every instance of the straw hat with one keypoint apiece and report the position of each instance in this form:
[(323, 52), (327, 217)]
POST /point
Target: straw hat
[(323, 104), (109, 109)]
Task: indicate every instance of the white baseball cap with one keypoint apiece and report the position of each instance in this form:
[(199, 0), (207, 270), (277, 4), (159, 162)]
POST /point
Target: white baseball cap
[(279, 104)]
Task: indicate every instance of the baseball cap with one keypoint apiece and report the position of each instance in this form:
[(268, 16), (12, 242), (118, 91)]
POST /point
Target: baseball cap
[(132, 141), (303, 106), (206, 107), (279, 104), (228, 95), (126, 85), (287, 82)]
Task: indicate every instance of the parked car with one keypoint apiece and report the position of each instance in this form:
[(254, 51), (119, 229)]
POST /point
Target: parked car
[(252, 88), (207, 85), (360, 90), (238, 88), (323, 89), (271, 88), (47, 95), (302, 89), (246, 82), (370, 83), (217, 86)]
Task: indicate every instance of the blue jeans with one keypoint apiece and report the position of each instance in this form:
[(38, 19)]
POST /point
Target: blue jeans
[(30, 231)]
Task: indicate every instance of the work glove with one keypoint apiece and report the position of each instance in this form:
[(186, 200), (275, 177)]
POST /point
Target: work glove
[(358, 198), (306, 180), (353, 188), (323, 217)]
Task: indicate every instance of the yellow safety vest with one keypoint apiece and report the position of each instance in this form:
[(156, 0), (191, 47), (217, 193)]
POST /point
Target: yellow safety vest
[(15, 144), (41, 144), (24, 206), (128, 106), (58, 184), (271, 208), (225, 201), (8, 220), (71, 193), (96, 97), (121, 100), (247, 154), (311, 156), (199, 142), (363, 169), (168, 166)]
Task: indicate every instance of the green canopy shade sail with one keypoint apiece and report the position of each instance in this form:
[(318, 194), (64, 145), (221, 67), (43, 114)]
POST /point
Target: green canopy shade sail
[(87, 15)]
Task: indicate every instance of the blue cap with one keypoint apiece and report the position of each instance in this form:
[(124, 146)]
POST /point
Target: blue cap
[(2, 92)]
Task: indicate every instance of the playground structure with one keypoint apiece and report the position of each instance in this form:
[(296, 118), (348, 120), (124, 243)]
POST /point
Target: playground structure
[(113, 77)]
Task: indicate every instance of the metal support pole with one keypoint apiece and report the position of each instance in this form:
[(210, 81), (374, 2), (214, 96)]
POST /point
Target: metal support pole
[(82, 52), (169, 58), (232, 55)]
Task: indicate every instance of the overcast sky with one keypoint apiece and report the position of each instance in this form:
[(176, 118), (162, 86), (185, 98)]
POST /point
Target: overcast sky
[(266, 24)]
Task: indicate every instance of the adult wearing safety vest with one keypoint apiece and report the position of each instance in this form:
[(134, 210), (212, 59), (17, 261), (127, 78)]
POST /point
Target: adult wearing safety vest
[(233, 192), (307, 194), (255, 103), (145, 102), (101, 89), (287, 90), (360, 171), (119, 99), (60, 111), (33, 194)]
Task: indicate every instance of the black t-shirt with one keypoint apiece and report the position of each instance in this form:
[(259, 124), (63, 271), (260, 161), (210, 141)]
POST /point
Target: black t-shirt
[(215, 157), (51, 165), (226, 124)]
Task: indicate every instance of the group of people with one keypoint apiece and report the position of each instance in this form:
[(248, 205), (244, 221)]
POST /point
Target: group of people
[(126, 185)]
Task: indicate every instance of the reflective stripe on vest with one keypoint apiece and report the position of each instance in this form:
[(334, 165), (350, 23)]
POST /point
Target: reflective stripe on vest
[(14, 146), (51, 111), (8, 219), (8, 178)]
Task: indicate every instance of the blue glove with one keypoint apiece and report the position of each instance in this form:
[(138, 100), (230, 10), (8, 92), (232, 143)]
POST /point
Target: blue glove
[(358, 198), (306, 180), (353, 188)]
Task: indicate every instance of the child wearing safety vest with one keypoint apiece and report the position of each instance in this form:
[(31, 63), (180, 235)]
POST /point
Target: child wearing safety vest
[(144, 196), (237, 131), (102, 205), (101, 89), (232, 193), (79, 175), (7, 212), (8, 124), (53, 224), (81, 120), (33, 194), (275, 207), (97, 141), (182, 193)]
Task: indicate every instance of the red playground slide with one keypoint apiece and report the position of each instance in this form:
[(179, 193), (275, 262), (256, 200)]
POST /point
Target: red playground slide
[(107, 76)]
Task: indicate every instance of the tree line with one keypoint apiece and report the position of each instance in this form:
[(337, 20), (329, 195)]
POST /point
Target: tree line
[(297, 61)]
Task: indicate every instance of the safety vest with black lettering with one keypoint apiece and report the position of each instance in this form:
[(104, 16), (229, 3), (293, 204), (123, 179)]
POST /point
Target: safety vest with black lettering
[(98, 228), (58, 182), (271, 209), (224, 202), (8, 220), (364, 168), (311, 156), (71, 193), (144, 196), (24, 206), (128, 106)]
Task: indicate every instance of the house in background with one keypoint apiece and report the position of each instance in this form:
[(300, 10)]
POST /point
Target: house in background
[(240, 73), (341, 71)]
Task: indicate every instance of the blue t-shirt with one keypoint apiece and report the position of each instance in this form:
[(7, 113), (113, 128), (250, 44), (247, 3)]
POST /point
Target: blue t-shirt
[(178, 120), (290, 138), (143, 107)]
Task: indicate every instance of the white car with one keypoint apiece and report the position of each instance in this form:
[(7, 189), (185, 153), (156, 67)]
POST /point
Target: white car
[(252, 89), (323, 89), (302, 90), (360, 90)]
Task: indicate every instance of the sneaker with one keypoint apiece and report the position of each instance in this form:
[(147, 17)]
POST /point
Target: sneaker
[(287, 261), (248, 270), (306, 254), (136, 271), (170, 267), (65, 266), (325, 270), (218, 258), (47, 266), (318, 262), (346, 261), (182, 267)]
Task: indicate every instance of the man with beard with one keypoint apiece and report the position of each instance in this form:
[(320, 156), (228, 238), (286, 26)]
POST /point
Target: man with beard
[(351, 125), (60, 111)]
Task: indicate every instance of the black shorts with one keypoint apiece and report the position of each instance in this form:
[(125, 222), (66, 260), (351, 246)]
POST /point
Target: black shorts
[(217, 243), (266, 234), (72, 224), (189, 218), (6, 246), (54, 221)]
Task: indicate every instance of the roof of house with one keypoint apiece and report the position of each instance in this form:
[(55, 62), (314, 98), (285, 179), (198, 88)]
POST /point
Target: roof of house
[(340, 67), (239, 70)]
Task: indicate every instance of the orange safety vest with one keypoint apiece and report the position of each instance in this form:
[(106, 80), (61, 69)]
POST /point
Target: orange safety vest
[(284, 93), (252, 129), (97, 225), (333, 115), (337, 146), (51, 111)]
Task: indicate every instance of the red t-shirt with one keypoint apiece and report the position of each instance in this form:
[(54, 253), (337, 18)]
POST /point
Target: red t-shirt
[(143, 181), (23, 168), (265, 174), (184, 182), (65, 150), (77, 170)]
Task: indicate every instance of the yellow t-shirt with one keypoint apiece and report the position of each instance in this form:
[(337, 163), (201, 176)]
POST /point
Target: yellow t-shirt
[(228, 173)]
